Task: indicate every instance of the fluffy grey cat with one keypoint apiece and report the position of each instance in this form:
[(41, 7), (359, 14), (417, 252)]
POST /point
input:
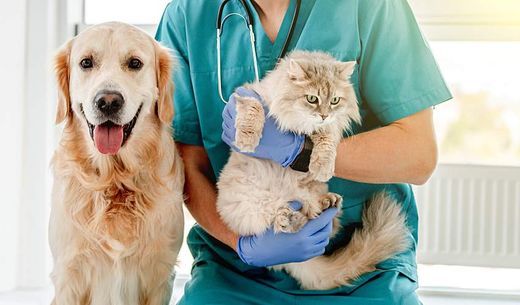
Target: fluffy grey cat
[(307, 93)]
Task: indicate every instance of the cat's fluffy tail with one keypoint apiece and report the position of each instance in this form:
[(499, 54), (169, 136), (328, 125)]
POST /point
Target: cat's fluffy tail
[(384, 234)]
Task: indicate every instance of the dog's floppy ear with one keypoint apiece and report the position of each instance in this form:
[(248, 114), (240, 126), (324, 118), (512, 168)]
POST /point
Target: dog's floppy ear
[(62, 71), (163, 66)]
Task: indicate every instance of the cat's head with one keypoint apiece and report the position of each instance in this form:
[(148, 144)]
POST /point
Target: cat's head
[(314, 92)]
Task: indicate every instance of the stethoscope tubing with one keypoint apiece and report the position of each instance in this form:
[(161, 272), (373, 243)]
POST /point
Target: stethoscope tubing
[(248, 20)]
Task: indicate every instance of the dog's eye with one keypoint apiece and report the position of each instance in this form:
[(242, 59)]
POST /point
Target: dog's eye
[(135, 64), (86, 63)]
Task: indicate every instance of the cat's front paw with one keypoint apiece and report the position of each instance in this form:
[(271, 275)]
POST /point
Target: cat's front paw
[(288, 220), (246, 141), (321, 174), (323, 156), (320, 169), (249, 123)]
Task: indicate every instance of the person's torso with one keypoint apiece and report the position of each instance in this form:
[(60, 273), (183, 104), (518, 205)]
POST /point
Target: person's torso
[(325, 25)]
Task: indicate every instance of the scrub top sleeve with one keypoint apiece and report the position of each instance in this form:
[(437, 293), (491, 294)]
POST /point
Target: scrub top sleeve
[(171, 33), (398, 73)]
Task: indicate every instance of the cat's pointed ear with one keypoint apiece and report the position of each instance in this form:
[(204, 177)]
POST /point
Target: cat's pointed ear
[(296, 71), (345, 69)]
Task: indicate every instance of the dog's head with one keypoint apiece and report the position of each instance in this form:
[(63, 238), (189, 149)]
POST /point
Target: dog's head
[(111, 77)]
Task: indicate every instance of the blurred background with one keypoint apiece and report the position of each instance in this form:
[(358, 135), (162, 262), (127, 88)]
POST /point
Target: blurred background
[(469, 251)]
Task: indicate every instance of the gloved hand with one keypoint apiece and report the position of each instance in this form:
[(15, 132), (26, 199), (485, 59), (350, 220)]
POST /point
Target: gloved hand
[(281, 147), (271, 248)]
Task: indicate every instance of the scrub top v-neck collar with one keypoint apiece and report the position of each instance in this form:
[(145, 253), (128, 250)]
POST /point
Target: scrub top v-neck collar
[(267, 51)]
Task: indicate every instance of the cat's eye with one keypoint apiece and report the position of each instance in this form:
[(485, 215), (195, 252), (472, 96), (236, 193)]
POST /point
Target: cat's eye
[(313, 99), (335, 100)]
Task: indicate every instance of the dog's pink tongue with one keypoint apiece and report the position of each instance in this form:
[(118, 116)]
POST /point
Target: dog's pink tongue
[(108, 139)]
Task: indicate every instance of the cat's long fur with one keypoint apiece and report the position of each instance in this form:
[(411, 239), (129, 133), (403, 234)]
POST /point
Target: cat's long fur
[(254, 193)]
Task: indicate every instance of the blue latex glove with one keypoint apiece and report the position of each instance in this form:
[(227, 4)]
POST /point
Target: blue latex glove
[(271, 248), (281, 147)]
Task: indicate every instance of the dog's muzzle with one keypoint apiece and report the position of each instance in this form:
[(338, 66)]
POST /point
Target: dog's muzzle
[(109, 136)]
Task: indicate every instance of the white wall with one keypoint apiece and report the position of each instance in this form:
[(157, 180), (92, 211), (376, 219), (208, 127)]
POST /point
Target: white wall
[(37, 137), (12, 85), (33, 29)]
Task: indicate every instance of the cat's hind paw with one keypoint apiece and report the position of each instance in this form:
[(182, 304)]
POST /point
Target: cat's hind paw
[(331, 200), (288, 220)]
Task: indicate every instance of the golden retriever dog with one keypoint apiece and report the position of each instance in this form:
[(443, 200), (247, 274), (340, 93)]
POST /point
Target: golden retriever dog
[(116, 223)]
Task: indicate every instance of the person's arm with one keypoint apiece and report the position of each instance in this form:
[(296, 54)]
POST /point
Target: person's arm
[(201, 194), (399, 81), (404, 151)]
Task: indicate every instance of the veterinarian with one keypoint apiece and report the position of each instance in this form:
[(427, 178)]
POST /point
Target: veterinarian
[(397, 83)]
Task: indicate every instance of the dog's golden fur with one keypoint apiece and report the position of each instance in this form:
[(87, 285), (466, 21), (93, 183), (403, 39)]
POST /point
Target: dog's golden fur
[(116, 221)]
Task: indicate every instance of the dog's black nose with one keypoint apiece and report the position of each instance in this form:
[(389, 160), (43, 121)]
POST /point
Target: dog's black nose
[(109, 102)]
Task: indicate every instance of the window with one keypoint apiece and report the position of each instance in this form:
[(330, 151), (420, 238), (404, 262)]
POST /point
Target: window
[(476, 43), (482, 124), (130, 11)]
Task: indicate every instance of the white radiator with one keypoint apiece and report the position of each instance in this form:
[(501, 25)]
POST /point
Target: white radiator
[(470, 215)]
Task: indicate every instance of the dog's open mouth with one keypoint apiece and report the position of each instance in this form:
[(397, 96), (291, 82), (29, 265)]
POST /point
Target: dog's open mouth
[(110, 137)]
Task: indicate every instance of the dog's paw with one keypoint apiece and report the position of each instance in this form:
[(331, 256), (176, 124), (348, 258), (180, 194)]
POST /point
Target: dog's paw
[(288, 221)]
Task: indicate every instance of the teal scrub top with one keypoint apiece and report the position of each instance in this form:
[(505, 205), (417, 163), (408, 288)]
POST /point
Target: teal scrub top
[(396, 76)]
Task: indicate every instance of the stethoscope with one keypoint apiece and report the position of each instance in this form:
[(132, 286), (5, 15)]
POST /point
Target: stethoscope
[(248, 19)]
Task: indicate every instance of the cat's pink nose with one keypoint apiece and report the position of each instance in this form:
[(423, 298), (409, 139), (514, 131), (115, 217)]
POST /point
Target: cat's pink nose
[(324, 116)]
